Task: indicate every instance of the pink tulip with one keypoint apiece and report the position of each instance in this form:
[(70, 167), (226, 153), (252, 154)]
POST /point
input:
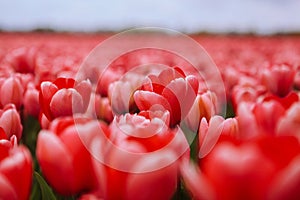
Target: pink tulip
[(10, 121), (22, 59), (11, 92), (279, 79), (120, 93), (205, 105), (210, 132)]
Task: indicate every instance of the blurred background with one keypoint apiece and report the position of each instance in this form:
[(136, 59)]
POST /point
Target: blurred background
[(189, 16)]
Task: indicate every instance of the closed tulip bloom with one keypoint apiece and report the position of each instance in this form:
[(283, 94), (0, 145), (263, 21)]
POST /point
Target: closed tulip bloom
[(64, 97), (64, 139), (255, 169), (142, 157), (210, 132), (22, 59), (15, 170), (11, 92), (279, 79), (289, 124), (263, 117), (10, 121), (205, 105)]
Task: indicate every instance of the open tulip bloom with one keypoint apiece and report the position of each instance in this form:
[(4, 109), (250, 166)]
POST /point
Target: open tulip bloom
[(151, 124)]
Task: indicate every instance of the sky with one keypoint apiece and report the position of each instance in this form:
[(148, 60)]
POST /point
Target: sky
[(259, 16)]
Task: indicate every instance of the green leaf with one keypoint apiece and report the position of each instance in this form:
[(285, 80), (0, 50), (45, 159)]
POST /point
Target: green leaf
[(46, 191)]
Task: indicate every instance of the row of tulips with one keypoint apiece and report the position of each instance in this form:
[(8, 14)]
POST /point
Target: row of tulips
[(159, 136)]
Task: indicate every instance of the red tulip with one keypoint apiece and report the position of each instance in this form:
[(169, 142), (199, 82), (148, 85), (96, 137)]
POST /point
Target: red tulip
[(286, 101), (257, 169), (64, 97), (289, 124), (262, 116), (64, 139), (108, 77), (171, 90), (22, 59), (15, 170), (10, 121), (141, 157), (279, 79)]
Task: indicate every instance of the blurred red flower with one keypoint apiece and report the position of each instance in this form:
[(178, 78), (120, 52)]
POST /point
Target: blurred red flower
[(15, 170), (10, 121), (64, 139), (267, 168), (141, 155)]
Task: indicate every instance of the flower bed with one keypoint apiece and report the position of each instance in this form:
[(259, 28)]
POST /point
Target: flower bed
[(156, 132)]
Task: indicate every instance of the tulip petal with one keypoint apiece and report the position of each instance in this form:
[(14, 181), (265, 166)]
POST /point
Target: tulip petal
[(72, 103), (64, 83), (146, 100), (84, 88), (18, 169), (7, 191)]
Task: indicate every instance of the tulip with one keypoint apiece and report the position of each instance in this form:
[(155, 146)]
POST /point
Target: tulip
[(141, 157), (279, 79), (120, 93), (22, 59), (289, 124), (10, 121), (11, 92), (263, 117), (31, 101), (286, 101), (209, 133), (255, 169), (205, 105), (63, 97), (15, 170), (103, 109), (171, 90), (64, 139)]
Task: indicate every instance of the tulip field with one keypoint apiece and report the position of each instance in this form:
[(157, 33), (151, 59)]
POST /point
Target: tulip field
[(144, 117)]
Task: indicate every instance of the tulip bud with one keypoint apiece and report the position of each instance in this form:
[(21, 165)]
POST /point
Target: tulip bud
[(15, 170), (10, 121), (11, 92), (279, 79), (68, 138)]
